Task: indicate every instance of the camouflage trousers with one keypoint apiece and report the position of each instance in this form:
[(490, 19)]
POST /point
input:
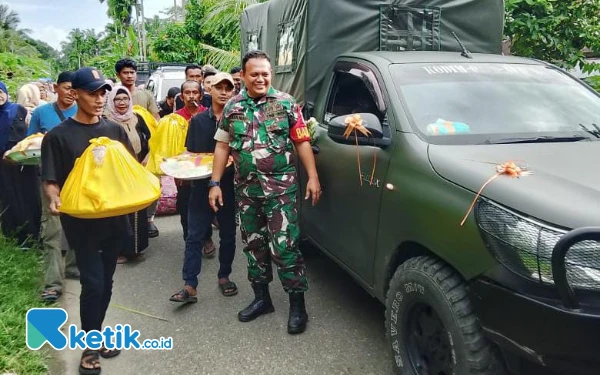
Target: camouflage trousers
[(270, 233)]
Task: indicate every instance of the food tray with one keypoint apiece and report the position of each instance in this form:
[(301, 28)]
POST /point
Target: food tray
[(189, 166), (27, 157)]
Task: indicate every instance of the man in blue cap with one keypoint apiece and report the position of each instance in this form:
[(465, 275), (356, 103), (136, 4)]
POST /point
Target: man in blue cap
[(96, 242)]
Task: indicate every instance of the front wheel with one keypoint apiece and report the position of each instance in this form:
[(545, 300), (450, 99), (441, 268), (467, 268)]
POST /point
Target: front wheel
[(430, 323)]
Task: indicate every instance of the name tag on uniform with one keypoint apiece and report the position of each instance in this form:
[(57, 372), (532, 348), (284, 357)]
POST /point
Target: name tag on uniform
[(237, 117), (273, 108)]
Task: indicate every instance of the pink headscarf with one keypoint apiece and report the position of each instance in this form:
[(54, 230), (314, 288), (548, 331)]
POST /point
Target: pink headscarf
[(128, 116), (128, 120)]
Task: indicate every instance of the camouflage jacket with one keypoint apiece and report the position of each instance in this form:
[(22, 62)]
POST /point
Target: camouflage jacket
[(260, 135)]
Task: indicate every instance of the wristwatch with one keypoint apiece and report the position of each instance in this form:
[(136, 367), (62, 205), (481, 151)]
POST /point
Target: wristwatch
[(212, 183)]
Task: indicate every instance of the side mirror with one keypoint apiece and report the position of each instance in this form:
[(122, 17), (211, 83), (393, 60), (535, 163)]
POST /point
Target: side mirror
[(337, 127)]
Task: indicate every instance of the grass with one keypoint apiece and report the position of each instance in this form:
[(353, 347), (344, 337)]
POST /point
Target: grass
[(19, 291)]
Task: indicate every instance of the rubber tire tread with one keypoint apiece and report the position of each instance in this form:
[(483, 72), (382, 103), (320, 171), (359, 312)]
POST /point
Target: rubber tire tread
[(482, 357)]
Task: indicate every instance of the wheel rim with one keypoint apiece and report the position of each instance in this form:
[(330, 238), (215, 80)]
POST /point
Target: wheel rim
[(428, 342)]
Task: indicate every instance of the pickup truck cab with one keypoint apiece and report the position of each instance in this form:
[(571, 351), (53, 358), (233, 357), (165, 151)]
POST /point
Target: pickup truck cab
[(518, 280)]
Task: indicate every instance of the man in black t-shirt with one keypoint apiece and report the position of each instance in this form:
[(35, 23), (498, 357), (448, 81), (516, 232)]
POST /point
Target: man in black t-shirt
[(96, 242), (200, 138), (167, 106)]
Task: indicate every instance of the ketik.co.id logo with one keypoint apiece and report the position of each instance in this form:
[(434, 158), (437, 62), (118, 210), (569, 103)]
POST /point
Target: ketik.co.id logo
[(44, 324)]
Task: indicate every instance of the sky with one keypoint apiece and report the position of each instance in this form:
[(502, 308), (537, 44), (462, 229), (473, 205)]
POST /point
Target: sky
[(52, 20)]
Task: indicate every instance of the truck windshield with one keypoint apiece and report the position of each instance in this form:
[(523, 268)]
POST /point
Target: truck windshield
[(478, 103)]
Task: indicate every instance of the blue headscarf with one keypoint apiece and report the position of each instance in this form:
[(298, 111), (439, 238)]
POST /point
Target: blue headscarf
[(8, 111)]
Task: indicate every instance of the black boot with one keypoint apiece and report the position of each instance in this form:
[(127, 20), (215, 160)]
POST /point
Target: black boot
[(298, 316), (261, 305)]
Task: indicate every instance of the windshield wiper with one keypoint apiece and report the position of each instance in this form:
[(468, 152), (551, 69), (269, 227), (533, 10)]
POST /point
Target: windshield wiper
[(541, 139)]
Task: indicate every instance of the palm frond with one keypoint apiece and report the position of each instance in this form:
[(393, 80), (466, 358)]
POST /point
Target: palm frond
[(220, 58)]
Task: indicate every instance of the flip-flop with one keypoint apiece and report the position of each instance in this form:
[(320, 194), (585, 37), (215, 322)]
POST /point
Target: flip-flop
[(228, 289), (109, 353), (187, 297), (50, 295), (212, 250), (90, 356)]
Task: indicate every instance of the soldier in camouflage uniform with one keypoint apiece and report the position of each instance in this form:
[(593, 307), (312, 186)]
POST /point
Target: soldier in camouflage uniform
[(260, 127)]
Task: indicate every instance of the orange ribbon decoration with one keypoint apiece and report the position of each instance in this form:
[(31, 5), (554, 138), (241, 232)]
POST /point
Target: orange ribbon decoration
[(354, 123), (509, 169)]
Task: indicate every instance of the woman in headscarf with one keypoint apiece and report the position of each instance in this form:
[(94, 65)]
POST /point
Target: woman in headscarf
[(20, 207), (44, 92), (29, 96), (120, 110)]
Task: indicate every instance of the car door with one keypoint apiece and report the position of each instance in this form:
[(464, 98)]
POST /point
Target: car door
[(345, 221)]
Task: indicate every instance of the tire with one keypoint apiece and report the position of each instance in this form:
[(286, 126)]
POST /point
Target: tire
[(431, 326)]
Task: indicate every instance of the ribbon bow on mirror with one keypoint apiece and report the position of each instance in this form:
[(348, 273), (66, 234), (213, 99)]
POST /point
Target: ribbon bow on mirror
[(354, 124)]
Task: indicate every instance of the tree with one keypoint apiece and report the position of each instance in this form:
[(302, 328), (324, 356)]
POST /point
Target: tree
[(221, 22), (120, 11), (74, 48), (558, 31), (223, 18), (9, 19), (45, 50), (175, 13), (92, 42)]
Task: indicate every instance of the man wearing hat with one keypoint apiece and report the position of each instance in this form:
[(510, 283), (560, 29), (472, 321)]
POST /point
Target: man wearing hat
[(200, 138), (43, 119), (96, 242)]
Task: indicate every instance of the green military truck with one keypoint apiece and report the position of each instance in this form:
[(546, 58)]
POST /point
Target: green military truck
[(516, 279)]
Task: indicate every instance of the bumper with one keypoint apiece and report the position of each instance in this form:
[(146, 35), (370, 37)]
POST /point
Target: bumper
[(563, 340)]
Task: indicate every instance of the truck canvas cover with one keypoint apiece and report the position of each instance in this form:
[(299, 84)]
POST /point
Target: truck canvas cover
[(304, 37)]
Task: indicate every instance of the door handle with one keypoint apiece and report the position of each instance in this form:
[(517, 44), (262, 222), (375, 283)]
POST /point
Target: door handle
[(315, 149)]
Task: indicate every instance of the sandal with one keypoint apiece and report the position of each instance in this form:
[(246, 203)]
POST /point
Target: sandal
[(50, 295), (228, 288), (90, 358), (183, 296), (209, 249), (109, 353)]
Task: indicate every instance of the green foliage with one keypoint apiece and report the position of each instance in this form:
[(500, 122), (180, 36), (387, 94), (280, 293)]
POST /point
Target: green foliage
[(88, 48), (22, 69), (17, 41), (173, 44), (46, 52), (120, 11), (20, 279), (554, 30), (223, 18), (593, 81), (9, 19)]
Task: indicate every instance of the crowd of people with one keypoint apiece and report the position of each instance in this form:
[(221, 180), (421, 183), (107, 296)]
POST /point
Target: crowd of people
[(237, 113)]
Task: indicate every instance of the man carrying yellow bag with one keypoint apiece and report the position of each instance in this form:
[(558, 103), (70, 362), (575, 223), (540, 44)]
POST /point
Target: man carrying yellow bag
[(96, 241)]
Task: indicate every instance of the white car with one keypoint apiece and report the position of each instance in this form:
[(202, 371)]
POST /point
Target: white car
[(163, 79)]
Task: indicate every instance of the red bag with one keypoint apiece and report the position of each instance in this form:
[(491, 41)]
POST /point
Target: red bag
[(167, 203)]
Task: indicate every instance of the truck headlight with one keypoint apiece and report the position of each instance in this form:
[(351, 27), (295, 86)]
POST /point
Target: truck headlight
[(524, 245)]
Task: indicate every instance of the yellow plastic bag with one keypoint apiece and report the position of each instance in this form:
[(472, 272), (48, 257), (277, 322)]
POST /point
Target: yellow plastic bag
[(107, 181), (147, 116), (168, 141)]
